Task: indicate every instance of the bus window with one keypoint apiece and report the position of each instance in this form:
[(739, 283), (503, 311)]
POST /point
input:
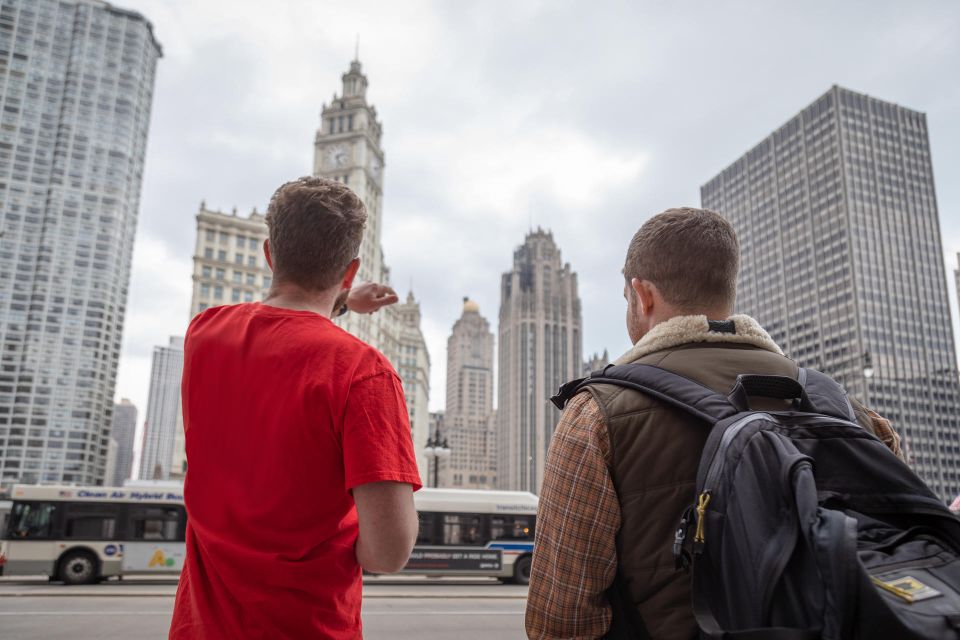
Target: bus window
[(462, 529), (511, 528), (31, 520), (425, 531), (155, 523), (91, 522)]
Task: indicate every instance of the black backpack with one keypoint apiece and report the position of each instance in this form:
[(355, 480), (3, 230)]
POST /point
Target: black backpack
[(804, 525)]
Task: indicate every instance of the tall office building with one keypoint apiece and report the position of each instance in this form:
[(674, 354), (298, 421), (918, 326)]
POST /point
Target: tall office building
[(540, 348), (163, 411), (347, 148), (468, 417), (76, 85), (123, 431), (842, 263)]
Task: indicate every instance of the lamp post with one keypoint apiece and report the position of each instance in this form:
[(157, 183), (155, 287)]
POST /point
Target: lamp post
[(436, 448)]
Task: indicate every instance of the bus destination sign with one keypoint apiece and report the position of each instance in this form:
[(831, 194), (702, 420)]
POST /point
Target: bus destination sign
[(454, 559)]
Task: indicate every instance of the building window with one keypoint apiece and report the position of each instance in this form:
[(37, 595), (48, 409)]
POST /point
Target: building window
[(350, 122), (241, 241), (222, 255), (253, 244), (218, 293), (238, 259), (237, 277), (251, 261), (211, 235), (221, 274), (235, 295), (248, 296), (208, 253), (206, 271), (203, 306), (251, 279), (267, 281), (205, 290)]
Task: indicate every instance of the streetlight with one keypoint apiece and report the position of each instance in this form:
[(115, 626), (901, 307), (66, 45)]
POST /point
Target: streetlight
[(436, 448), (868, 370)]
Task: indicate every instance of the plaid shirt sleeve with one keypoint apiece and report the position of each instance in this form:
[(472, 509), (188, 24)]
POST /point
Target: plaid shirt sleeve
[(575, 557)]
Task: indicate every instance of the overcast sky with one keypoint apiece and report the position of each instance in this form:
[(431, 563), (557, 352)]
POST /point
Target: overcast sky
[(582, 117)]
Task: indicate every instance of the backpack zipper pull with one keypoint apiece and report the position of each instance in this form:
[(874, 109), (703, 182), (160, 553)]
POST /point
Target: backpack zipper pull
[(702, 503)]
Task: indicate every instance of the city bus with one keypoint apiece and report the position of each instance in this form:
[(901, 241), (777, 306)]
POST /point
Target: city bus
[(80, 535), (474, 533)]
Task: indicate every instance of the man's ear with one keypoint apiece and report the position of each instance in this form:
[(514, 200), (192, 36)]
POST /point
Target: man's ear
[(646, 295), (351, 273), (266, 253)]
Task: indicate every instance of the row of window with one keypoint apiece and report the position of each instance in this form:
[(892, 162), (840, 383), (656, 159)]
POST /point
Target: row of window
[(473, 528), (221, 255), (238, 276), (240, 241), (96, 521)]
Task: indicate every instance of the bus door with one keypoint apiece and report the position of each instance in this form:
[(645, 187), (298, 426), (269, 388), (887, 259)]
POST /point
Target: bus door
[(30, 547), (155, 539)]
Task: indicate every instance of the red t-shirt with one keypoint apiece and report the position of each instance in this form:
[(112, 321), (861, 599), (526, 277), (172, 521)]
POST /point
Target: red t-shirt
[(284, 414)]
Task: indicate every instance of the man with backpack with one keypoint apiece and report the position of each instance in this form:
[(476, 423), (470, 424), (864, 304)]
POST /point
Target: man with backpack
[(627, 503)]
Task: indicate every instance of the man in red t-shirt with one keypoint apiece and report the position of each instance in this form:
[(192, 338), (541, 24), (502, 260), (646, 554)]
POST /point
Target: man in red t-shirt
[(301, 465)]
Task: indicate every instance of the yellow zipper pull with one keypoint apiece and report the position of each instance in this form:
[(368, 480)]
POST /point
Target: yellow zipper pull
[(701, 516)]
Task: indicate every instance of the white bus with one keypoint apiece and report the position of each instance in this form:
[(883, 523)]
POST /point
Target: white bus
[(467, 532), (80, 535), (83, 534)]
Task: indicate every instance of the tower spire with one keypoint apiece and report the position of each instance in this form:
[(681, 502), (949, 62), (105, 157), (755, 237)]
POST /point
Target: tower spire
[(356, 50)]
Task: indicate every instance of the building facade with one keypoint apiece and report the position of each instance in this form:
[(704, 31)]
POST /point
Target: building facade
[(468, 417), (124, 431), (228, 262), (76, 86), (163, 411), (842, 263), (540, 347)]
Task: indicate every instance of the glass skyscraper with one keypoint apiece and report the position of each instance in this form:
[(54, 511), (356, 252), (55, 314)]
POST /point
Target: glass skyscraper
[(76, 85), (842, 263)]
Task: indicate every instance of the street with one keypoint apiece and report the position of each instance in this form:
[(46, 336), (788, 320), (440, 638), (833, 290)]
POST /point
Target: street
[(393, 609)]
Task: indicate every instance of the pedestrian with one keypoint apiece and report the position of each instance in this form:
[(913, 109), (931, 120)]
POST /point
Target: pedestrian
[(301, 468), (622, 465)]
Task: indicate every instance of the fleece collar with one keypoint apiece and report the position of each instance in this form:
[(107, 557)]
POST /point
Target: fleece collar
[(688, 329)]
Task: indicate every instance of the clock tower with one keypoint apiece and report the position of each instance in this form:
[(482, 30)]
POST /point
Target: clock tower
[(347, 149)]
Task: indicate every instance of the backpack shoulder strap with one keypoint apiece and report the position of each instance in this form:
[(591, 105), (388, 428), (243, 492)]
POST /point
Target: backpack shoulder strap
[(668, 387), (825, 394)]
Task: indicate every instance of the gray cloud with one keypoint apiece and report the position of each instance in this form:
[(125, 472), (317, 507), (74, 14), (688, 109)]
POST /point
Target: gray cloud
[(585, 118)]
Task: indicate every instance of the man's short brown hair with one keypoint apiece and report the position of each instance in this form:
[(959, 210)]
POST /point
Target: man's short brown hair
[(691, 255), (316, 226)]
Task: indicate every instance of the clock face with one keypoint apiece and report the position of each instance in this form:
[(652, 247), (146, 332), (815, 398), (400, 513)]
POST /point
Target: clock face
[(338, 156)]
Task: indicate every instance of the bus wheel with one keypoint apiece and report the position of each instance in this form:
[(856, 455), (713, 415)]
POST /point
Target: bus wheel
[(78, 567), (521, 570)]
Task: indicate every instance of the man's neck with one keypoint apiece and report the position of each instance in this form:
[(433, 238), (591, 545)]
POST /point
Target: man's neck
[(291, 296)]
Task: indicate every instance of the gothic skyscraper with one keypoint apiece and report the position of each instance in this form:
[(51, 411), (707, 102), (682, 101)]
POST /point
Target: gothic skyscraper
[(839, 232), (540, 349), (78, 79)]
